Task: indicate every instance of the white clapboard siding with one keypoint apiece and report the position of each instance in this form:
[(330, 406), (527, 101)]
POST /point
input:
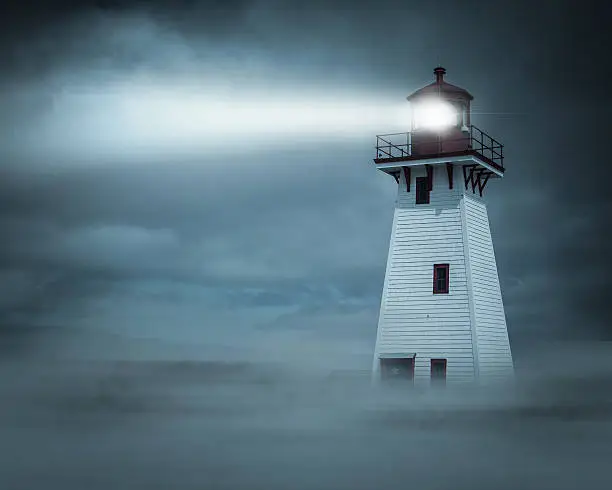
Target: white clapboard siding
[(493, 345), (467, 327), (412, 319)]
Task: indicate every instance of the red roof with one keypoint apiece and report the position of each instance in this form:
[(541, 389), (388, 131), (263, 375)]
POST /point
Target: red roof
[(440, 87)]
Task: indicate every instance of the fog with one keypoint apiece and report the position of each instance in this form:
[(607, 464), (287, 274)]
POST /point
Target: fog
[(70, 422)]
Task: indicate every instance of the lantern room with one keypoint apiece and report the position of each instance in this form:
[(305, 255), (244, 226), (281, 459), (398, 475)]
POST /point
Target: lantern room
[(440, 117), (440, 104)]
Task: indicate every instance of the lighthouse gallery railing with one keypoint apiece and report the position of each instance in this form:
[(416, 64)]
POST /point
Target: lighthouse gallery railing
[(399, 146)]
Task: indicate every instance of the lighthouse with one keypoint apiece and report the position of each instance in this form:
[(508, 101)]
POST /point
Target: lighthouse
[(442, 317)]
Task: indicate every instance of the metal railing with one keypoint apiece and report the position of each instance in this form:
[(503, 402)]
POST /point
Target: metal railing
[(400, 145)]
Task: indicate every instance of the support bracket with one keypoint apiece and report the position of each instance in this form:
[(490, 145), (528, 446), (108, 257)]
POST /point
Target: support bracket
[(407, 177), (468, 178), (483, 183), (477, 177)]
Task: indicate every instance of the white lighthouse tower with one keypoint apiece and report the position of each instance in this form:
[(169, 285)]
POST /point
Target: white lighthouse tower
[(441, 316)]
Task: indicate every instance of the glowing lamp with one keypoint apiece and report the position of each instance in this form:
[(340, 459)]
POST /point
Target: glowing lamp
[(434, 114)]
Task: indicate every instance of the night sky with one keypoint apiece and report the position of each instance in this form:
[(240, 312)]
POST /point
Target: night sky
[(193, 181)]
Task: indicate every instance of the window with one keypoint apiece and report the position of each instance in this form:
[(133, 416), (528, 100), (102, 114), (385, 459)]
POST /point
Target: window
[(422, 190), (440, 279), (438, 370), (397, 369)]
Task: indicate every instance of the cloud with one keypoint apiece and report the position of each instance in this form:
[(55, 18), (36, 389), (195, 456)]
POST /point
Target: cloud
[(110, 195)]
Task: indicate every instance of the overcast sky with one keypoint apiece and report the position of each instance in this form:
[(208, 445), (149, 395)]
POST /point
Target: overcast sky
[(201, 173), (194, 180)]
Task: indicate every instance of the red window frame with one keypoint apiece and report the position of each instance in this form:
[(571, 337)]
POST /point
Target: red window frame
[(422, 190), (431, 371), (436, 268)]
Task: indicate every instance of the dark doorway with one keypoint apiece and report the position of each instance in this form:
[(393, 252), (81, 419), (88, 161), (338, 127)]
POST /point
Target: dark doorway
[(438, 371)]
